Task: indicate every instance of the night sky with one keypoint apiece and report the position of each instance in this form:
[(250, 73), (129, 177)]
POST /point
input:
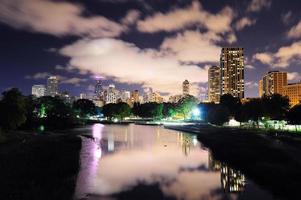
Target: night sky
[(137, 44)]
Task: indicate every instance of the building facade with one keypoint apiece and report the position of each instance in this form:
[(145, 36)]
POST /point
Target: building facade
[(214, 82), (232, 71), (38, 90), (186, 87), (98, 89), (135, 96), (111, 95), (275, 82), (52, 86)]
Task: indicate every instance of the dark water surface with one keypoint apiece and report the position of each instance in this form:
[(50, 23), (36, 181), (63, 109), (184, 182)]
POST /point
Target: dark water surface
[(150, 162)]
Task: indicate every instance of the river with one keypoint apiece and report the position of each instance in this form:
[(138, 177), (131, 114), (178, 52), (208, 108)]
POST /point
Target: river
[(150, 162)]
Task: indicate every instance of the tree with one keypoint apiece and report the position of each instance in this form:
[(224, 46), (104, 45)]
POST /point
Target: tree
[(12, 109), (251, 110), (85, 107), (52, 111), (219, 115), (275, 106), (294, 115), (119, 110), (169, 109), (186, 105), (230, 102)]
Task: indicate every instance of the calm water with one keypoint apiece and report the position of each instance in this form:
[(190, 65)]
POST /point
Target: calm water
[(173, 164)]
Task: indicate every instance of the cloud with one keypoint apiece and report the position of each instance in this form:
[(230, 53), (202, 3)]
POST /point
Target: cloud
[(39, 75), (287, 17), (251, 84), (258, 5), (283, 57), (295, 31), (126, 63), (244, 22), (185, 17), (131, 17), (192, 46), (249, 67), (63, 80), (265, 58), (56, 18), (73, 81), (293, 76)]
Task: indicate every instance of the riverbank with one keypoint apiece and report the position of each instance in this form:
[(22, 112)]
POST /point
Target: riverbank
[(270, 161), (39, 166)]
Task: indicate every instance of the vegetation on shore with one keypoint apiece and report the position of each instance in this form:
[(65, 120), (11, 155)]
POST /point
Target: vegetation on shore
[(39, 167)]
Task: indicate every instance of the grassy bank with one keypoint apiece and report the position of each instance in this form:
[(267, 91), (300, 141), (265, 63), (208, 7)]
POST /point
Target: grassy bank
[(272, 162), (39, 167)]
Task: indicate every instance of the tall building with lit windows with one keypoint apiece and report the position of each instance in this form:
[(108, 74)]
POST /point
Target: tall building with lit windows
[(232, 71), (275, 82), (38, 90), (214, 77), (52, 86), (186, 87), (98, 89)]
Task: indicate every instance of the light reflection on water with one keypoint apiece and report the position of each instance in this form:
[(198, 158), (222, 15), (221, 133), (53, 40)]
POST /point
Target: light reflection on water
[(121, 157)]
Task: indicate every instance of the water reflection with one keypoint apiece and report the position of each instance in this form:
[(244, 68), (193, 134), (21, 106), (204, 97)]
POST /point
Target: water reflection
[(127, 156)]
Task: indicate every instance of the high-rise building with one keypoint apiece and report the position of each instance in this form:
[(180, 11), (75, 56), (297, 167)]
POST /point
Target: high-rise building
[(83, 96), (185, 87), (232, 71), (98, 89), (275, 82), (38, 90), (214, 82), (125, 96), (135, 96), (111, 95), (52, 86)]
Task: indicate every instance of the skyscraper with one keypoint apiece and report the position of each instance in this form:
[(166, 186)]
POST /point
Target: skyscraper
[(111, 95), (214, 81), (135, 96), (186, 87), (98, 89), (273, 83), (38, 90), (232, 71), (52, 86)]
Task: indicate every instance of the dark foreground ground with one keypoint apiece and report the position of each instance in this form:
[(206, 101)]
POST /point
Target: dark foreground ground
[(272, 160), (39, 167)]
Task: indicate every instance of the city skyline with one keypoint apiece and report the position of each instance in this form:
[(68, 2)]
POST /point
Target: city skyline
[(139, 45)]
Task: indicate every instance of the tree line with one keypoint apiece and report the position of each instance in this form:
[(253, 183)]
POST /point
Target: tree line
[(19, 111)]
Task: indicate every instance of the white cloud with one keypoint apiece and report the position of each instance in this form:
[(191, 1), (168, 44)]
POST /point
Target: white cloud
[(56, 18), (184, 17), (258, 5), (192, 46), (283, 57), (265, 58), (251, 84), (249, 67), (126, 63), (295, 31), (293, 76), (131, 17), (244, 22)]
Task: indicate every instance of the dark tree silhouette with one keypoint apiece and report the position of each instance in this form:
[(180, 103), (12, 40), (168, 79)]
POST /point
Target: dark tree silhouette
[(12, 109), (219, 115), (275, 106), (232, 103), (84, 107), (294, 115)]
